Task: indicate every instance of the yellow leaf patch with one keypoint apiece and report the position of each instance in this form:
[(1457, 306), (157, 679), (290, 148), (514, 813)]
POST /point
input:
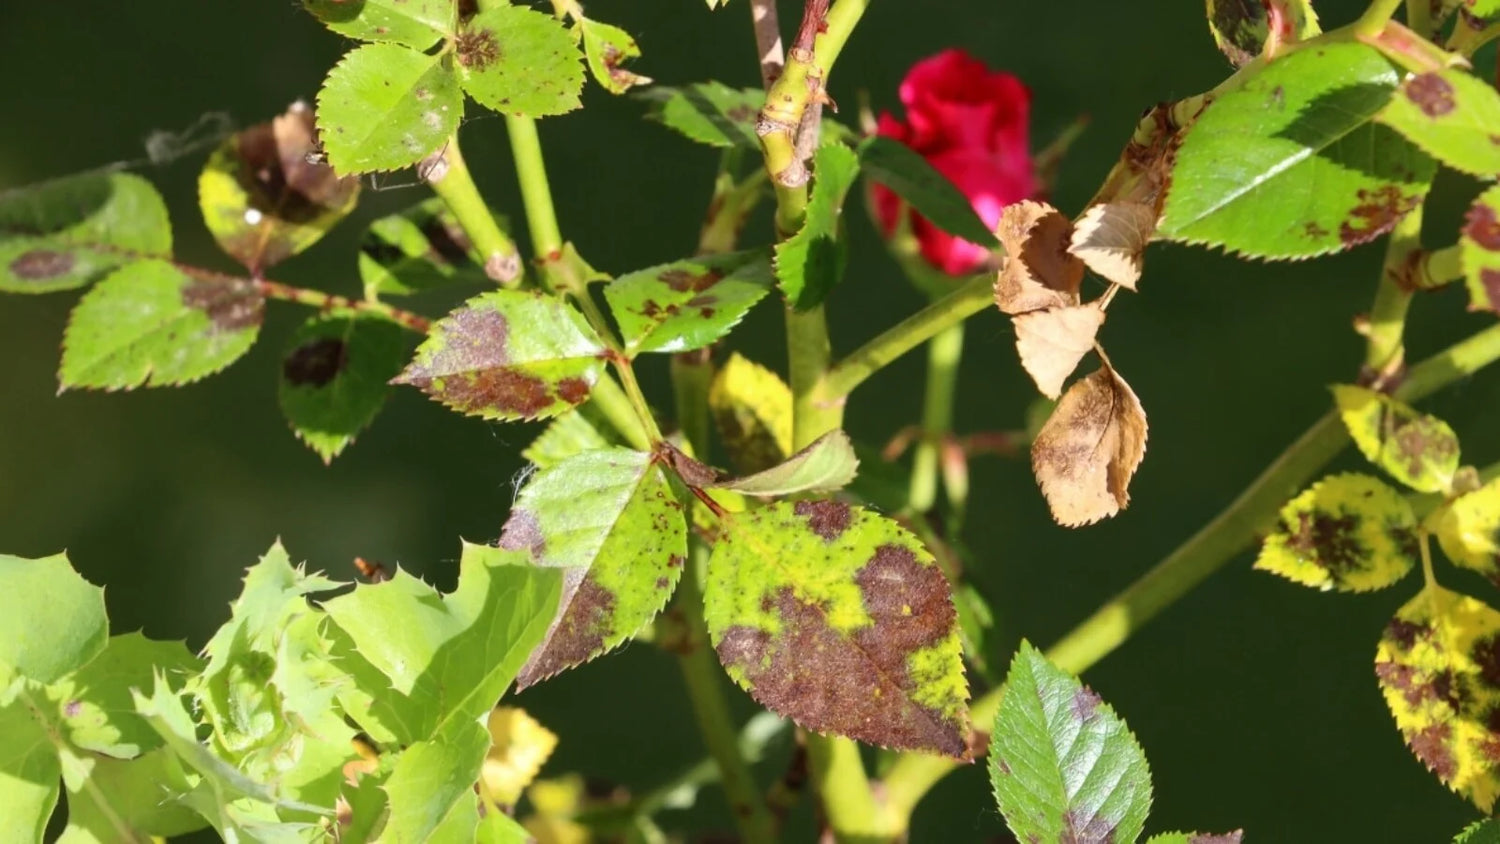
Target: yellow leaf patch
[(1469, 531), (1418, 450), (1346, 532)]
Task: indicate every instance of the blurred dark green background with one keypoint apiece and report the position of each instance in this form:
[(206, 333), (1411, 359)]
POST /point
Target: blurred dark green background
[(1255, 699)]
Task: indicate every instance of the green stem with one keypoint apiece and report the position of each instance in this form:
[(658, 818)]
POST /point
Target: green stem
[(531, 173), (637, 399), (838, 773), (1442, 266), (943, 356), (1376, 16), (1419, 17), (324, 301), (448, 174), (808, 352), (1230, 533), (1386, 353), (617, 407)]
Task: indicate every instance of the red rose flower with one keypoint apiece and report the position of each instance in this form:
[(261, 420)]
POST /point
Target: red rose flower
[(971, 124)]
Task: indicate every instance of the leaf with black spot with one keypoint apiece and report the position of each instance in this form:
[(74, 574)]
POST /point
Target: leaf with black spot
[(417, 249), (1452, 115), (752, 408), (1468, 529), (385, 107), (688, 304), (710, 113), (70, 232), (608, 48), (1063, 765), (1418, 450), (519, 61), (1346, 532), (609, 521), (1479, 249), (838, 618), (151, 324), (1438, 663), (810, 263), (334, 377), (508, 355), (414, 23)]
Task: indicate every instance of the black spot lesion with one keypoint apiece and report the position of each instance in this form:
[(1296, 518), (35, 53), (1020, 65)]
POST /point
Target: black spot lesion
[(1329, 541), (42, 265), (828, 519), (316, 362), (477, 49), (231, 304)]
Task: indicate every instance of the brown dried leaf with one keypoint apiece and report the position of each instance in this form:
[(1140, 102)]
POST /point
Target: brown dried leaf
[(1087, 452), (1038, 272), (1110, 238), (1053, 341)]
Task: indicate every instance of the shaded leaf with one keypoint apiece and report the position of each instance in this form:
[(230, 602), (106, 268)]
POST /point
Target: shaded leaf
[(419, 248), (1437, 662), (900, 168), (826, 464), (708, 112), (93, 708), (607, 49), (1110, 238), (29, 768), (1052, 342), (139, 795), (839, 619), (1418, 450), (1479, 248), (752, 408), (508, 355), (688, 304), (1346, 532), (1480, 832), (1469, 530), (1452, 115), (574, 432), (609, 521), (519, 746), (1289, 164), (74, 231), (1090, 447), (384, 107), (1039, 270), (810, 263), (264, 199), (1063, 765), (431, 789), (52, 621), (519, 61), (415, 23), (1241, 27), (334, 377)]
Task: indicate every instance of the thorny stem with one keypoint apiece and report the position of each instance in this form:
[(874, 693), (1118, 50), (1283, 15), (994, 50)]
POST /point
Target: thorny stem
[(448, 175), (1385, 354), (323, 301), (1218, 542)]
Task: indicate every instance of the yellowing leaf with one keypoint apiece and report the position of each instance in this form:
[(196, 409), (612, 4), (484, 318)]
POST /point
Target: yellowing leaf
[(1437, 663), (1418, 450), (1087, 452), (1051, 342), (752, 409), (1039, 272), (519, 747), (1346, 532), (1469, 530), (1110, 237)]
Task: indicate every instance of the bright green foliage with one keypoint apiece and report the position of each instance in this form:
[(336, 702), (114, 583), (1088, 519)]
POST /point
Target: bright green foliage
[(608, 48), (150, 323), (94, 711), (839, 619), (1196, 838), (1241, 27), (1418, 450), (29, 769), (415, 23), (752, 408), (444, 660), (519, 61), (384, 107), (1289, 164), (810, 263), (1479, 246), (52, 621), (1437, 664), (709, 112), (508, 355), (1452, 115), (1469, 530), (1063, 765), (499, 828), (262, 198), (431, 788), (1346, 532), (71, 232), (688, 304), (898, 167), (417, 249), (1480, 832), (570, 434), (609, 521), (826, 464), (136, 795), (334, 377)]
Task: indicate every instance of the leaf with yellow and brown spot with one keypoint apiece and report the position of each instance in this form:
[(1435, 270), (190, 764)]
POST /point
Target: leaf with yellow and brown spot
[(1468, 529), (1346, 532), (837, 618), (1438, 662), (1452, 115), (508, 355), (1418, 450), (607, 49), (688, 304), (609, 521), (752, 408), (1090, 447), (1479, 249)]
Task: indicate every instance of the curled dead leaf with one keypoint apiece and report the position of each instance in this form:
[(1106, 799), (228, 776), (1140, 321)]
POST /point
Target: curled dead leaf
[(1087, 452), (1052, 342), (1110, 238), (1039, 272)]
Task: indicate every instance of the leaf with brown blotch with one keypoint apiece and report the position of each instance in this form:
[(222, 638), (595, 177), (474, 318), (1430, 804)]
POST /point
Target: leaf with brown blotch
[(1039, 271), (1110, 238), (1087, 452), (1053, 341)]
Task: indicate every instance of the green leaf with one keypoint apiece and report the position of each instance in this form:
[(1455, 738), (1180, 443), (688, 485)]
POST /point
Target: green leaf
[(29, 768), (1468, 528), (151, 324), (508, 355), (334, 377), (93, 707), (263, 199), (1418, 450), (418, 249), (827, 464), (1479, 248), (384, 107), (141, 795), (1241, 27), (572, 433), (840, 620), (607, 49), (930, 193), (74, 231), (688, 304), (415, 23), (431, 789), (447, 658), (752, 408), (1346, 532), (52, 621), (1063, 765), (519, 61), (708, 112), (1453, 116), (1480, 832), (609, 521), (1289, 164), (499, 828), (810, 263)]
